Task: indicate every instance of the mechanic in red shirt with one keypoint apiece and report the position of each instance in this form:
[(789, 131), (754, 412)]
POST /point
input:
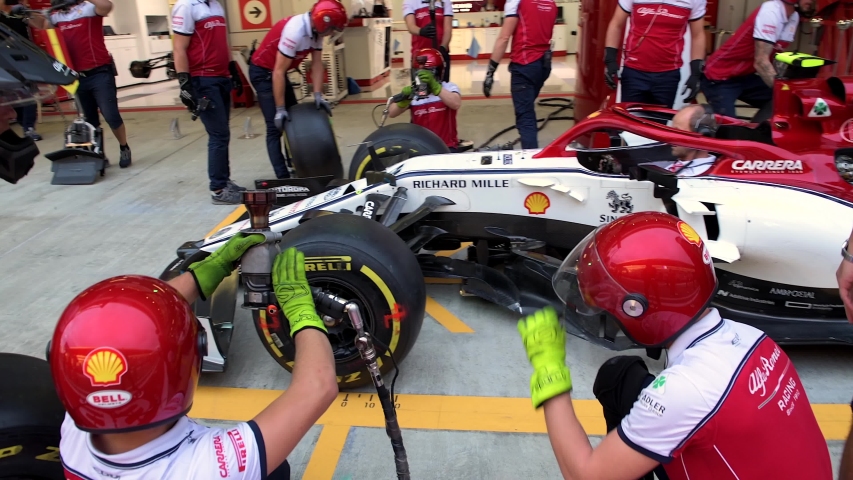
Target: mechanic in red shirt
[(82, 28), (653, 50), (284, 47), (126, 356), (203, 62), (435, 111), (742, 68), (424, 32), (327, 18), (530, 23), (728, 404)]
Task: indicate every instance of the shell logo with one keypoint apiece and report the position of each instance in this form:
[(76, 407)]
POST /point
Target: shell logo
[(689, 234), (537, 203), (104, 366)]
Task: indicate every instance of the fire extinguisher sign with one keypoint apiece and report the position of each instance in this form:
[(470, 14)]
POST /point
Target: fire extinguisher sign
[(255, 14)]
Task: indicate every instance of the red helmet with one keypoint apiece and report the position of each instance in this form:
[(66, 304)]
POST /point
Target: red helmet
[(429, 59), (327, 16), (647, 274), (126, 354)]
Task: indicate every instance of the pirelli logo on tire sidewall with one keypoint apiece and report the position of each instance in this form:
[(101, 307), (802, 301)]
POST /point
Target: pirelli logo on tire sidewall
[(328, 264)]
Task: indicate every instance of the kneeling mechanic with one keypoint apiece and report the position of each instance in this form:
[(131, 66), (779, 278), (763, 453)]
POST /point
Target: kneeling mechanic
[(714, 412), (126, 357), (436, 110)]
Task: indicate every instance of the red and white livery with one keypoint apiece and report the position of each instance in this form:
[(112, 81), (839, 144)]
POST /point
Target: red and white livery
[(83, 31), (204, 21), (532, 36), (420, 9), (188, 451), (430, 112), (736, 58), (655, 40), (728, 395)]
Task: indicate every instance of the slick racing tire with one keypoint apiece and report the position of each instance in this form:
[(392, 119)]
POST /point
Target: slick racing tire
[(30, 419), (310, 142), (401, 140), (359, 260)]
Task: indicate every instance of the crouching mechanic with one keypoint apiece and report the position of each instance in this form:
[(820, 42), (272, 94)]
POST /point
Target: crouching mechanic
[(326, 18), (126, 357), (729, 403), (282, 49), (437, 110)]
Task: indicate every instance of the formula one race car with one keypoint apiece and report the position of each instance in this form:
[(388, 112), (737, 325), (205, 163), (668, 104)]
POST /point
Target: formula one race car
[(773, 210)]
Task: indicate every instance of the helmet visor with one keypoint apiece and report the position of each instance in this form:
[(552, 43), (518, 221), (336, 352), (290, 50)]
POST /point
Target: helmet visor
[(589, 319)]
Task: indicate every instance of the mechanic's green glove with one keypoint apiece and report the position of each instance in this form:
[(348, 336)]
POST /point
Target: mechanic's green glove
[(406, 94), (210, 272), (426, 76), (293, 293), (545, 341)]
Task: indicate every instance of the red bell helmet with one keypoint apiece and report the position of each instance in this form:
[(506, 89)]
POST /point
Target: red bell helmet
[(328, 16), (126, 354), (429, 59), (647, 274)]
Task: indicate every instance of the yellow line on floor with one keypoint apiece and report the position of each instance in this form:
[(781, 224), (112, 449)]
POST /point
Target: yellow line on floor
[(437, 412), (231, 218), (324, 458), (445, 318)]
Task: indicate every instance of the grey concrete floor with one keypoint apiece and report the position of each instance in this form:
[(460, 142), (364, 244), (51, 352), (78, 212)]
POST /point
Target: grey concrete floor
[(57, 240)]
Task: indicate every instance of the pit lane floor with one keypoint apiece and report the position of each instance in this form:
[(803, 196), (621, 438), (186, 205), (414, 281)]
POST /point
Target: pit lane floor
[(463, 395)]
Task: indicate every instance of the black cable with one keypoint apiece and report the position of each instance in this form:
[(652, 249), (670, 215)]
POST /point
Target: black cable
[(396, 368), (561, 104)]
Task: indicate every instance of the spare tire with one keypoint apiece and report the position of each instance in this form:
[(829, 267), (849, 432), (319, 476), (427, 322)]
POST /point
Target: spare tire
[(360, 260), (311, 144), (30, 419), (403, 140)]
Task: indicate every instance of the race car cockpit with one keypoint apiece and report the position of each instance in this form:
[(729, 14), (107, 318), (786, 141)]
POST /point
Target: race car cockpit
[(25, 71)]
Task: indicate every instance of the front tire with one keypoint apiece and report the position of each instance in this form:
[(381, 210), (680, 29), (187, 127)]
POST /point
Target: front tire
[(360, 260), (396, 139), (31, 416)]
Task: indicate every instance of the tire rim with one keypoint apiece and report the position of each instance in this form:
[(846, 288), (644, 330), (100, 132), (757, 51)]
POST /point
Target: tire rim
[(342, 336)]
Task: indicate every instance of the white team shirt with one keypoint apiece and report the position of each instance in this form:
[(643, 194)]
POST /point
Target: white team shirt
[(203, 21), (297, 38), (431, 113), (693, 168), (186, 452), (729, 405)]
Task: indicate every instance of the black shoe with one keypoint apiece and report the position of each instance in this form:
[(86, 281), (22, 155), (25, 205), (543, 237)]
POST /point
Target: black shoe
[(125, 160)]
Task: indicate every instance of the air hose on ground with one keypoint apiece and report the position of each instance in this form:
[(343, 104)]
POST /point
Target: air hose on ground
[(561, 104)]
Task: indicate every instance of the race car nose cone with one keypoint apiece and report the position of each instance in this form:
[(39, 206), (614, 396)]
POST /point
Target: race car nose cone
[(259, 203)]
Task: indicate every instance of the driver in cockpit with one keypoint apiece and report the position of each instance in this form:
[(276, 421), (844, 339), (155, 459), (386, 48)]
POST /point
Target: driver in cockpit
[(691, 162)]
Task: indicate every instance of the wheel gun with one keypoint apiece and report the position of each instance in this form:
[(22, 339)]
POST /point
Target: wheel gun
[(201, 106), (256, 263)]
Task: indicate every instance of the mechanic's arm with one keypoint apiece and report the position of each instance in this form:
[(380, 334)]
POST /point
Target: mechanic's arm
[(576, 457), (763, 67), (39, 21), (395, 110), (314, 385), (186, 285), (318, 72), (282, 65), (448, 32), (102, 7), (181, 43), (613, 37), (453, 100), (697, 39), (411, 26), (502, 41)]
